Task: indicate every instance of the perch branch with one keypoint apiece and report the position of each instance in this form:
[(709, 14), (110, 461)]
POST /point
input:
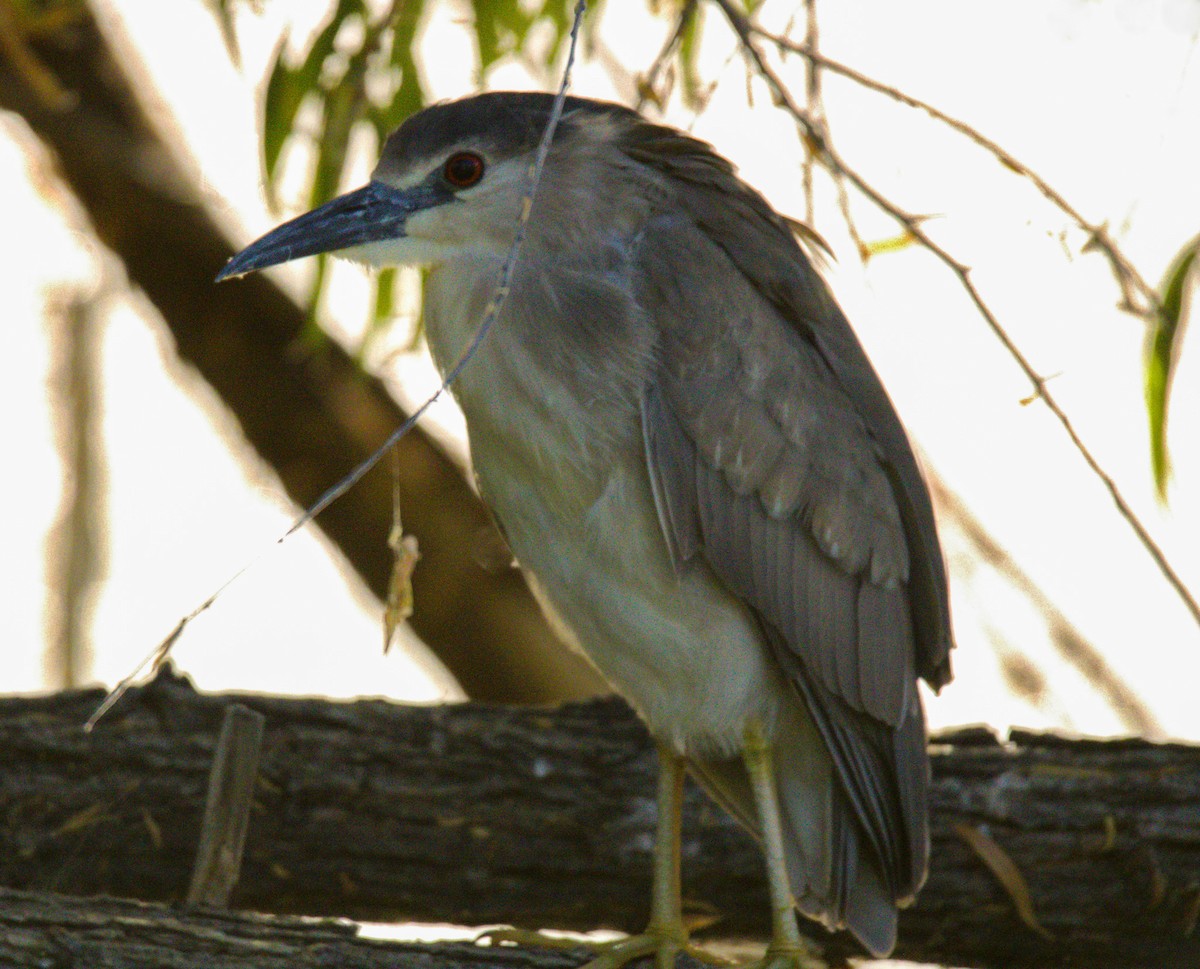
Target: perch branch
[(543, 818)]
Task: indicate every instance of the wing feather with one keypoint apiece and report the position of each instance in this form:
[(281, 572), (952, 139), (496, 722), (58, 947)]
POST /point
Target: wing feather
[(767, 463), (755, 242)]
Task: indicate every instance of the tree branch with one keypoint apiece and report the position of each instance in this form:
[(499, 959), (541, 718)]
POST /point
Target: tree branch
[(41, 929), (311, 413), (483, 815), (1137, 296), (914, 226)]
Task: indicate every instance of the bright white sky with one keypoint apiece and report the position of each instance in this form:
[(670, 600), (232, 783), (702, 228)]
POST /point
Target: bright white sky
[(1100, 96)]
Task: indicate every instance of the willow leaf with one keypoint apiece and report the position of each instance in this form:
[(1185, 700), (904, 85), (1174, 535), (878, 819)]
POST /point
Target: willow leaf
[(1156, 377), (409, 96), (1162, 354), (689, 60), (289, 86)]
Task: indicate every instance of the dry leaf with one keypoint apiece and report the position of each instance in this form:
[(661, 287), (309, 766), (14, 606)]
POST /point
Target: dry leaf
[(1006, 871), (400, 595)]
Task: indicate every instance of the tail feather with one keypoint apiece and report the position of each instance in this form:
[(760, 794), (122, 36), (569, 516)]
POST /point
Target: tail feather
[(835, 877)]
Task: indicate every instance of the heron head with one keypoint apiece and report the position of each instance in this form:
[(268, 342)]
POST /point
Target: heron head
[(450, 179)]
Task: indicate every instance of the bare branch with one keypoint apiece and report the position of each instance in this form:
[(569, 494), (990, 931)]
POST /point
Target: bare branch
[(648, 83), (539, 818), (812, 92), (913, 225), (1131, 283), (499, 296)]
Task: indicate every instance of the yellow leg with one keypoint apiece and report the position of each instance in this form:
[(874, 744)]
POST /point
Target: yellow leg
[(666, 936), (666, 905), (787, 948)]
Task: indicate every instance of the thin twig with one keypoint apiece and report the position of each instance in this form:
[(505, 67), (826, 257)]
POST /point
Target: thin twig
[(843, 198), (913, 225), (1129, 280), (815, 110), (158, 656), (231, 788), (812, 95), (649, 81)]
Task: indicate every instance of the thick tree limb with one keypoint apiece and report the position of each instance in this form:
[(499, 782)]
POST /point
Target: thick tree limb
[(479, 815), (311, 413), (41, 929)]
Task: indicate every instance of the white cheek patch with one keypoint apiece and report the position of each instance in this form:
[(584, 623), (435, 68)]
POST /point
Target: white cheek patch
[(413, 173), (482, 219), (404, 251), (444, 224), (430, 236)]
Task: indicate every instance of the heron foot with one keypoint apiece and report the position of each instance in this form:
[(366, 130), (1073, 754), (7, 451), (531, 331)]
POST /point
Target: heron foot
[(790, 956), (665, 945)]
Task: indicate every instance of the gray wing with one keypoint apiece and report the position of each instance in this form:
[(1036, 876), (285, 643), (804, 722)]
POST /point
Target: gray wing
[(751, 239), (776, 458)]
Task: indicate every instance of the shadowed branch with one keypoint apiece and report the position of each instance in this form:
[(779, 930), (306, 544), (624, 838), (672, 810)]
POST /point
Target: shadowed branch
[(544, 818)]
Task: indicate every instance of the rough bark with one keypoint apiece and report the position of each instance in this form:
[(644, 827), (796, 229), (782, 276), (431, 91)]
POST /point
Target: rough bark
[(38, 930), (309, 411), (477, 814)]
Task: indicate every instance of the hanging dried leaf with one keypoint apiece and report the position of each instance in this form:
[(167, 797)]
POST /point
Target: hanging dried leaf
[(404, 561)]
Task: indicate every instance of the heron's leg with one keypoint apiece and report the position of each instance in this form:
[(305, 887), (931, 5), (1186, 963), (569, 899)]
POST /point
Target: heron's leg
[(666, 902), (787, 948), (665, 936)]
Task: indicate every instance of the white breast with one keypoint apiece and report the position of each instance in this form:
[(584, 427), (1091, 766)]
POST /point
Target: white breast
[(566, 479)]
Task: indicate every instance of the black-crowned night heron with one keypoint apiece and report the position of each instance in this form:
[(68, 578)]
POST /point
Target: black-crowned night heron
[(691, 456)]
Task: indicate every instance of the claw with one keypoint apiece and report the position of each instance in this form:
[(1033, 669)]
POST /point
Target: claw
[(791, 956), (531, 937), (665, 946)]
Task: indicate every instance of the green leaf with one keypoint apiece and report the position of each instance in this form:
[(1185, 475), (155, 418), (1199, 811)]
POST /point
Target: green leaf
[(285, 92), (289, 86), (689, 58), (1162, 354), (501, 26), (487, 37), (345, 104), (385, 303), (409, 96), (314, 294), (561, 14)]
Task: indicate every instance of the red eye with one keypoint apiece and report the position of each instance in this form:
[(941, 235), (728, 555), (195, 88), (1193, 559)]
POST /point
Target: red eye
[(464, 169)]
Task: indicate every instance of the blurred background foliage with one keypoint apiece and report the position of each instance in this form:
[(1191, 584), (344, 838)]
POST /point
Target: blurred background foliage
[(358, 73), (347, 72)]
